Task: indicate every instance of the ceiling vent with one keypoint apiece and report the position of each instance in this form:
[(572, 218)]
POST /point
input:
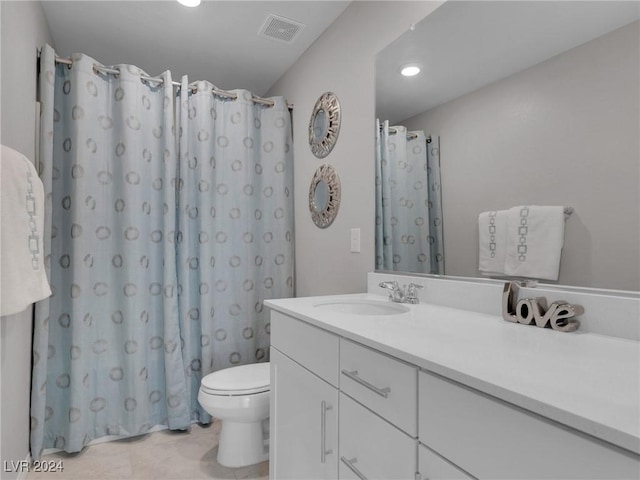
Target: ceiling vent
[(280, 28)]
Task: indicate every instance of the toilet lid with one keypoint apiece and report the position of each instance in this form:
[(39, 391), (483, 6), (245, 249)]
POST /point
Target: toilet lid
[(242, 380)]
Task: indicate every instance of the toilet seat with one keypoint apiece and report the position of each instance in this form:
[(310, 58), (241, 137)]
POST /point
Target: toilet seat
[(233, 393), (243, 380)]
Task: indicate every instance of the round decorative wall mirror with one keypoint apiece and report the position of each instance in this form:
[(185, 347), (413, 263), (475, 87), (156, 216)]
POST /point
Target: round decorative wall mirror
[(324, 196), (324, 125)]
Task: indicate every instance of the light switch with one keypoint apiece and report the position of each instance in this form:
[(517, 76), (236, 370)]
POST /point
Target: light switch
[(355, 240)]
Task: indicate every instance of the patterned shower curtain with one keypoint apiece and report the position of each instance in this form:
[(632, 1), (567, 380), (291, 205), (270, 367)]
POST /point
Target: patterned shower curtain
[(408, 201), (107, 351), (130, 328), (235, 238)]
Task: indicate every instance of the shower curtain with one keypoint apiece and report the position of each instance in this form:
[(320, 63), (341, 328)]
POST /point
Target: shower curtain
[(235, 235), (408, 201), (116, 348)]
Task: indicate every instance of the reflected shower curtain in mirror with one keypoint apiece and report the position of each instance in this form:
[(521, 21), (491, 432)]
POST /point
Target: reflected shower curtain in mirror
[(408, 201), (235, 239), (107, 354)]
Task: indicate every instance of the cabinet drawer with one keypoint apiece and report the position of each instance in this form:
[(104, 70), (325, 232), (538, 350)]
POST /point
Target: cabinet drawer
[(311, 347), (385, 385), (372, 446), (492, 439), (434, 467)]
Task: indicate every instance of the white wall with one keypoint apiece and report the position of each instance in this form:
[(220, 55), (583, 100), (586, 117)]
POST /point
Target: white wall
[(23, 30), (342, 61), (564, 132)]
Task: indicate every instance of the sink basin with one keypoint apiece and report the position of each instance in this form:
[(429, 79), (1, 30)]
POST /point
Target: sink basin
[(363, 307)]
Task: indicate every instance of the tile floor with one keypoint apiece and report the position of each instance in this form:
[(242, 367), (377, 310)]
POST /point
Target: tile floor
[(163, 455)]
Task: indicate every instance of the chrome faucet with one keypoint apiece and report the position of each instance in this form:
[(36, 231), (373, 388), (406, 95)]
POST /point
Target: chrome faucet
[(406, 294)]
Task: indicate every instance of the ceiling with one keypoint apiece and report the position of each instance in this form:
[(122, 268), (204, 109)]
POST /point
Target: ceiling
[(217, 41), (465, 45)]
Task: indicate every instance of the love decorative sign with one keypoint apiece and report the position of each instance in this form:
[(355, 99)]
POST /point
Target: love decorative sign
[(534, 310)]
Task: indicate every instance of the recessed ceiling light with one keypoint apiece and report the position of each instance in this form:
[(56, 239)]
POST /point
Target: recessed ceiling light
[(410, 71), (189, 3)]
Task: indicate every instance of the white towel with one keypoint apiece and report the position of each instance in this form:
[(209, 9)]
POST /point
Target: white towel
[(535, 236), (23, 279), (492, 234)]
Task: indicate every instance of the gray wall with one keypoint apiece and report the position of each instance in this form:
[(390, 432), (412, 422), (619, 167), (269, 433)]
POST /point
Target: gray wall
[(564, 132), (342, 61), (23, 30)]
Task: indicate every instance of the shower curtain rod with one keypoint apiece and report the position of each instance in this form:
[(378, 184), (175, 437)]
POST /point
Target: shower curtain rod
[(215, 91), (410, 136)]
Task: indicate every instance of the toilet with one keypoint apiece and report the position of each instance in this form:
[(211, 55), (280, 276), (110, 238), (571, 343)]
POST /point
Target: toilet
[(239, 397)]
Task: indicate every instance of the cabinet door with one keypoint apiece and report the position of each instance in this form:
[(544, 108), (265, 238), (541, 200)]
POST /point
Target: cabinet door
[(433, 467), (371, 448), (303, 423)]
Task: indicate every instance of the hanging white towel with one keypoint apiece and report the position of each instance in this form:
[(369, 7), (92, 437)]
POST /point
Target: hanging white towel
[(492, 234), (535, 235), (23, 279)]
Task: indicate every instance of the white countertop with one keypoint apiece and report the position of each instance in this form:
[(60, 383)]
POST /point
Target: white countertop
[(587, 381)]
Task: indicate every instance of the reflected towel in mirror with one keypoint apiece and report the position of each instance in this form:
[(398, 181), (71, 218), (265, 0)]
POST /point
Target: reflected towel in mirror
[(492, 230), (523, 242), (535, 236)]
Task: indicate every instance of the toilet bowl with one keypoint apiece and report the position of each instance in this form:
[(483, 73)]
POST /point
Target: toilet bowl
[(239, 397)]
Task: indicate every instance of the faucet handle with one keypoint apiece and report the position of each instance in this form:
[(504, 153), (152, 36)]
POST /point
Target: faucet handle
[(412, 294)]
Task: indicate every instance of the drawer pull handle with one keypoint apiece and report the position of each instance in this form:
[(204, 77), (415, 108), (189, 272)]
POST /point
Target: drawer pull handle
[(383, 392), (323, 431), (352, 467)]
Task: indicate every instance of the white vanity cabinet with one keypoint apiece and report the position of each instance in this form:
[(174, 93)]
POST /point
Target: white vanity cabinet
[(375, 436), (341, 409)]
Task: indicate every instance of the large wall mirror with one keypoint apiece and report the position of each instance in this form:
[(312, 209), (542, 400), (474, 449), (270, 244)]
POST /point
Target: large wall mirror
[(533, 103)]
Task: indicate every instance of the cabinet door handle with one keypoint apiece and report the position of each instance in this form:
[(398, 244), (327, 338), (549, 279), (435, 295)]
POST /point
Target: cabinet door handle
[(324, 407), (383, 392), (353, 468)]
